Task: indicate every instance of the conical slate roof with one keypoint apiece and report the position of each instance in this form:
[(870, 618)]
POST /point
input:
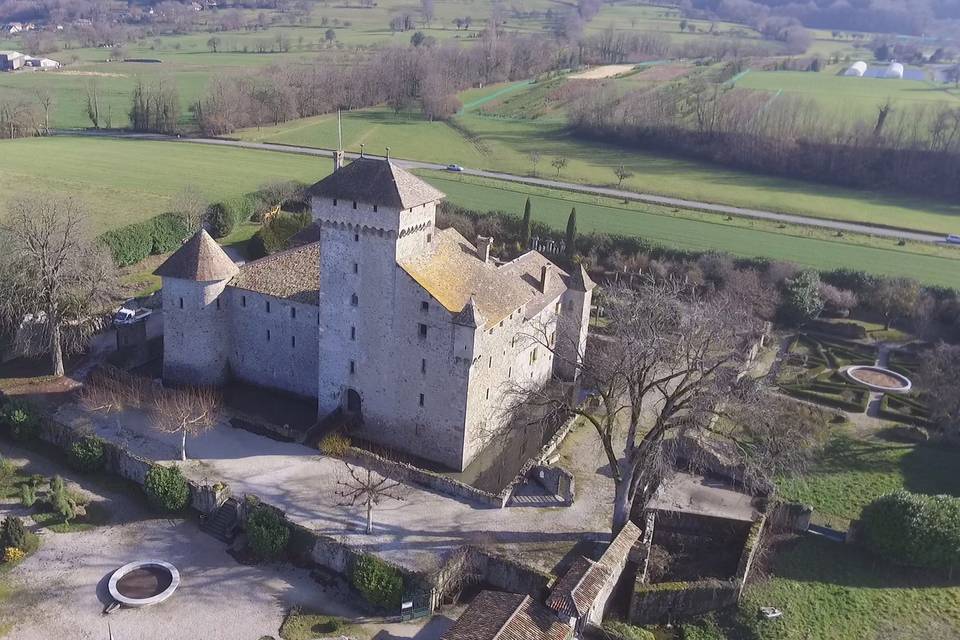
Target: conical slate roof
[(376, 181), (200, 259), (469, 316), (580, 280)]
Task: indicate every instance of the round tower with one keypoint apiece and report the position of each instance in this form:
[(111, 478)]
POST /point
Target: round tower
[(196, 338)]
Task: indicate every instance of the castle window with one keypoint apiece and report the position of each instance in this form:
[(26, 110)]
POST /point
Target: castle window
[(293, 312), (509, 373), (268, 306), (334, 202), (423, 365), (421, 399), (490, 362), (181, 303), (488, 393), (268, 335), (356, 268), (374, 208), (353, 333), (557, 309), (354, 300), (243, 301), (218, 304), (293, 341), (533, 355), (423, 330), (424, 306), (429, 237), (353, 367), (356, 237), (354, 204)]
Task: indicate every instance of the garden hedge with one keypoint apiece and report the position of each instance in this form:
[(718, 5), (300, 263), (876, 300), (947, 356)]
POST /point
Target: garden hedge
[(267, 533), (913, 529), (87, 454), (380, 584), (166, 488), (130, 244)]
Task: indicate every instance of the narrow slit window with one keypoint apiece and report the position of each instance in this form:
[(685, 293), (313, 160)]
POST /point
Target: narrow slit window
[(293, 341), (268, 335), (181, 303), (356, 237), (356, 268), (353, 367), (423, 365), (423, 330), (374, 208), (353, 333), (268, 306), (354, 300), (218, 304), (354, 204), (421, 399), (243, 301), (334, 202)]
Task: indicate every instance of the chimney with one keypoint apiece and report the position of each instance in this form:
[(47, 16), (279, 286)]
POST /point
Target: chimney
[(483, 247), (544, 275)]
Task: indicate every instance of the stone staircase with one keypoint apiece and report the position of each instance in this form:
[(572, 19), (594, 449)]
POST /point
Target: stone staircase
[(222, 523)]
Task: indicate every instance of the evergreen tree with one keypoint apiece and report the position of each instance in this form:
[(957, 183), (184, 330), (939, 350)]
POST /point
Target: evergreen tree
[(571, 238), (527, 225)]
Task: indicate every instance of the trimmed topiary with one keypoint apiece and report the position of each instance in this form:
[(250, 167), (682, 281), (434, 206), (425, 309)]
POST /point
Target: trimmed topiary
[(913, 529), (267, 533), (13, 534), (87, 454), (20, 419), (380, 584), (166, 488)]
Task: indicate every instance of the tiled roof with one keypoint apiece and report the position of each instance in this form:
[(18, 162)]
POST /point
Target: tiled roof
[(577, 590), (309, 234), (580, 280), (292, 275), (454, 273), (376, 181), (507, 616), (200, 259)]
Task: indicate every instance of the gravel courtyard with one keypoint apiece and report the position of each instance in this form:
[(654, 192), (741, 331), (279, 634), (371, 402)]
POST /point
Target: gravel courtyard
[(59, 592)]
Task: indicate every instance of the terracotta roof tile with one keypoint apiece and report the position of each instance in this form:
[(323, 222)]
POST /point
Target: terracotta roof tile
[(292, 275), (200, 259), (507, 616), (376, 181)]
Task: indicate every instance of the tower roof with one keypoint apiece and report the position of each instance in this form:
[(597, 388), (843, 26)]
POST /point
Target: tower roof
[(376, 181), (580, 280), (200, 259), (470, 315)]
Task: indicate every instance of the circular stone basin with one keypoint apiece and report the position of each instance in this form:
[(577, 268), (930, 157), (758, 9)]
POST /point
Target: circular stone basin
[(879, 379), (143, 583)]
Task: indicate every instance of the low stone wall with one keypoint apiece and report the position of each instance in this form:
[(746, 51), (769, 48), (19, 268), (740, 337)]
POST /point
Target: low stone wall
[(667, 602), (790, 516), (557, 481), (471, 565)]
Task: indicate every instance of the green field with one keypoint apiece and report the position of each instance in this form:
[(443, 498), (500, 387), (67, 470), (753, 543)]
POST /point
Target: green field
[(505, 145), (851, 98), (124, 181)]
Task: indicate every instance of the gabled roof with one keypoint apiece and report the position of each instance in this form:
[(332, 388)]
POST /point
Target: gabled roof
[(200, 259), (507, 616), (470, 316), (292, 275), (376, 181)]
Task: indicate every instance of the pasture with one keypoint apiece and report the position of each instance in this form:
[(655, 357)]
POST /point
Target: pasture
[(507, 145)]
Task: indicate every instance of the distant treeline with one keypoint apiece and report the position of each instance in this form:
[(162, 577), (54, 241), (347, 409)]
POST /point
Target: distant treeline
[(883, 16), (913, 149)]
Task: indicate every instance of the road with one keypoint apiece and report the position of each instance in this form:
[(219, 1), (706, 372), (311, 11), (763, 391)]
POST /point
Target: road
[(680, 203)]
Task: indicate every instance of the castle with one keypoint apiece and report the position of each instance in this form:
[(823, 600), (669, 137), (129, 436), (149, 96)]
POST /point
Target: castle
[(414, 330)]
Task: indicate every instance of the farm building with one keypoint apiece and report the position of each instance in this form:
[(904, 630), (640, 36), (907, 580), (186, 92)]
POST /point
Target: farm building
[(11, 60), (857, 69), (895, 71), (41, 63)]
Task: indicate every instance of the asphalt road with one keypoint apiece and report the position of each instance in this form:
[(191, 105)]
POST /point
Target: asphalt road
[(680, 203)]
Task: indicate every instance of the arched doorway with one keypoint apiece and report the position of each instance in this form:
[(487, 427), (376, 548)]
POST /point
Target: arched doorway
[(353, 401)]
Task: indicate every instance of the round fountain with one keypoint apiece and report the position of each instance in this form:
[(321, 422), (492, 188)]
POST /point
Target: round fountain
[(142, 583), (878, 379)]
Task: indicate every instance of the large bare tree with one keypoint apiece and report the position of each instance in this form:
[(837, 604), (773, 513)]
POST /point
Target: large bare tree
[(364, 486), (669, 367), (186, 410), (939, 372), (52, 268)]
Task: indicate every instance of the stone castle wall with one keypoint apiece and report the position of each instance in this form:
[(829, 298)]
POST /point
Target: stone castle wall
[(195, 327)]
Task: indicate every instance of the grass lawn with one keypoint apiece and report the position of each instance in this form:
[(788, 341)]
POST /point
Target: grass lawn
[(499, 144), (853, 470), (831, 591), (304, 626), (702, 232), (124, 181)]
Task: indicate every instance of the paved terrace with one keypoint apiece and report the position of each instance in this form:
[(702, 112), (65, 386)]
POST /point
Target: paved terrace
[(417, 533)]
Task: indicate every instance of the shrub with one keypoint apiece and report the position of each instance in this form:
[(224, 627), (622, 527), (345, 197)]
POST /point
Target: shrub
[(20, 419), (241, 209), (913, 529), (219, 220), (274, 235), (166, 488), (169, 232), (334, 444), (87, 454), (617, 630), (267, 532), (28, 495), (13, 554), (130, 244), (380, 584), (60, 500), (703, 629), (7, 468), (13, 534)]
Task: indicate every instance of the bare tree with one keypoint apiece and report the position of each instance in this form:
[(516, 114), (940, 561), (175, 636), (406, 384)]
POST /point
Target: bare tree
[(622, 174), (110, 391), (558, 164), (938, 378), (363, 486), (46, 101), (93, 102), (191, 204), (668, 368), (535, 160), (187, 411), (52, 268)]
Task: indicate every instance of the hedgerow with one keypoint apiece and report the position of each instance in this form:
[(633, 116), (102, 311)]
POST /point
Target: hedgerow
[(914, 529)]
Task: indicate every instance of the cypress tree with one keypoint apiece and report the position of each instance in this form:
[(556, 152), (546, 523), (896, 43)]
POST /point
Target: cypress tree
[(527, 224), (571, 239)]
